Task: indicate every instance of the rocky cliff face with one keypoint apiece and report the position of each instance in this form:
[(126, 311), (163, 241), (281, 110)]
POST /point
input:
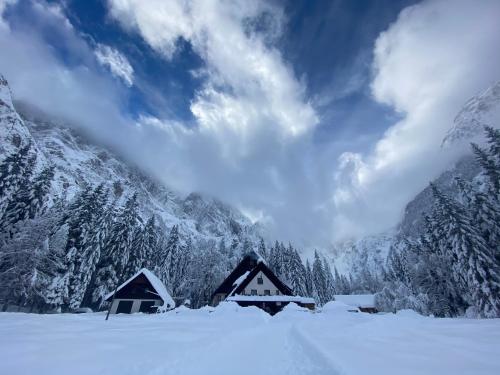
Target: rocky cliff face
[(79, 163)]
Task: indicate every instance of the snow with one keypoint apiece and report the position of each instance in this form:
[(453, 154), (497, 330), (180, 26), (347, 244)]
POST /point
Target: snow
[(356, 300), (240, 279), (155, 282), (279, 298), (237, 340)]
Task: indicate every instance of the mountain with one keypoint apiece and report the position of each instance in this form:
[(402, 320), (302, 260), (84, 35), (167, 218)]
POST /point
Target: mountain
[(79, 164), (371, 251), (75, 218), (479, 111)]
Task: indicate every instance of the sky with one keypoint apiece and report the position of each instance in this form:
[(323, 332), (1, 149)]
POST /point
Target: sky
[(320, 119)]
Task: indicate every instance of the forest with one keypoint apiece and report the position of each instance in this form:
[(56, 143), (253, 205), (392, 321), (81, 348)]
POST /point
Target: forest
[(58, 256)]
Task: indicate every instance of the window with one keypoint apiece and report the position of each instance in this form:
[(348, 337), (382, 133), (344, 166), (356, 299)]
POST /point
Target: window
[(260, 281), (267, 292), (277, 292), (254, 292)]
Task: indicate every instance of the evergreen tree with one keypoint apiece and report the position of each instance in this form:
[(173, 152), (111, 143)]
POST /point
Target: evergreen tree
[(144, 245), (175, 266), (473, 264), (111, 266), (28, 200), (329, 282), (319, 279), (13, 172), (263, 250), (309, 281)]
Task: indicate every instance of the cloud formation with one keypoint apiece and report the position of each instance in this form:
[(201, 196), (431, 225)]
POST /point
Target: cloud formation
[(253, 142), (426, 66), (116, 62)]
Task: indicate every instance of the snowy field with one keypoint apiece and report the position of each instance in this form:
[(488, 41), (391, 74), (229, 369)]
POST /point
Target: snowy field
[(232, 340)]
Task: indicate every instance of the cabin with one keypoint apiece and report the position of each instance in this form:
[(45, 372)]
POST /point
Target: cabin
[(252, 283), (362, 302), (143, 292)]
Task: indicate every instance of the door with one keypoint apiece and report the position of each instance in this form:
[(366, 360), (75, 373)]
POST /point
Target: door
[(124, 307), (147, 307)]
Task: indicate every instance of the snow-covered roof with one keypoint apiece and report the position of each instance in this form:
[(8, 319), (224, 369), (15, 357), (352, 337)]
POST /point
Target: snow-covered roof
[(357, 300), (280, 298), (240, 279), (157, 284)]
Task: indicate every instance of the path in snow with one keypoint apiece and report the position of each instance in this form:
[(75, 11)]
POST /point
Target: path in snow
[(234, 340)]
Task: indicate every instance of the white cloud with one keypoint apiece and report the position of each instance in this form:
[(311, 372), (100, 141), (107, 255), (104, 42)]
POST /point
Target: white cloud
[(253, 141), (248, 84), (427, 64), (116, 62)]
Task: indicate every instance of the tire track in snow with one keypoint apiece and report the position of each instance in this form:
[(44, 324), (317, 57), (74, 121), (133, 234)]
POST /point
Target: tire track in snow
[(321, 364)]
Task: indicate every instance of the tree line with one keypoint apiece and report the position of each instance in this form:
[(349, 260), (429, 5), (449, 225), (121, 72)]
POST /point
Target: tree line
[(62, 255), (454, 267)]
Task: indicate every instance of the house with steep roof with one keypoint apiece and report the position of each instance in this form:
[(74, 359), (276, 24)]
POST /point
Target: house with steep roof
[(143, 292), (252, 283)]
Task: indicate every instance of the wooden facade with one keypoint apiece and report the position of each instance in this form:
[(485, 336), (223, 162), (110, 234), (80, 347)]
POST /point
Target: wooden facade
[(143, 292), (252, 283)]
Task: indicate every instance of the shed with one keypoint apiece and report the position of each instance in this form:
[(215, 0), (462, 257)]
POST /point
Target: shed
[(143, 292), (363, 302)]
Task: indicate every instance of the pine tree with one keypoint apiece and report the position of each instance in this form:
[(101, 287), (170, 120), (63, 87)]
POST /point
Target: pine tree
[(87, 223), (12, 173), (329, 282), (490, 167), (309, 281), (319, 279), (144, 245), (29, 198), (297, 273), (175, 265), (263, 250), (473, 265), (111, 266)]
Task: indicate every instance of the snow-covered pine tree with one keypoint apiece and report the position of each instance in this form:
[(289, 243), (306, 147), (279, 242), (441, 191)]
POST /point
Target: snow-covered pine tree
[(174, 268), (86, 225), (262, 249), (473, 264), (490, 168), (208, 269), (437, 292), (97, 231), (275, 259), (12, 173), (329, 282), (28, 200), (115, 255), (309, 282), (25, 263), (297, 273), (319, 279)]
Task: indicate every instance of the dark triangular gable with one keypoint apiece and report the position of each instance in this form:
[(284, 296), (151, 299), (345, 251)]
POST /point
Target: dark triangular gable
[(261, 267), (137, 288), (248, 263)]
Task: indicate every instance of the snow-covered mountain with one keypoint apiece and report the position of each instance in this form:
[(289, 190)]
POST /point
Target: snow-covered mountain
[(79, 162), (481, 110), (371, 251)]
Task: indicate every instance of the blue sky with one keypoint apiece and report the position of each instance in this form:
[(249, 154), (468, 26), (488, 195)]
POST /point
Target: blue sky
[(329, 44), (321, 119)]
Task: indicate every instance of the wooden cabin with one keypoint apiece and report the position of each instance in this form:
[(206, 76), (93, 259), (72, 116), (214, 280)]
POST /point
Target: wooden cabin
[(252, 283), (143, 292)]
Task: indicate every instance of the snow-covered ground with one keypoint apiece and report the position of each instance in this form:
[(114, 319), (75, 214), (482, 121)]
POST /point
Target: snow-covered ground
[(233, 340)]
